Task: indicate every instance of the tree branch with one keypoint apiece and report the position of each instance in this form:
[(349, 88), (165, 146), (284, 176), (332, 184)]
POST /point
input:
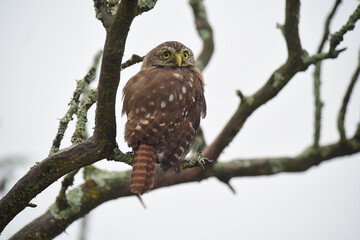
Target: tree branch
[(205, 32), (317, 74), (45, 173), (342, 111), (74, 104), (337, 37), (105, 124), (80, 133), (102, 186), (133, 60), (298, 60), (291, 29)]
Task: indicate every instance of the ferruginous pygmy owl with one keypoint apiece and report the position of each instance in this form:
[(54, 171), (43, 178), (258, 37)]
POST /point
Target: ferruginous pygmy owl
[(163, 103)]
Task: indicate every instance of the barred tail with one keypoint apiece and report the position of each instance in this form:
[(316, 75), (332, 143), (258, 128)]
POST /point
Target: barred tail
[(142, 175)]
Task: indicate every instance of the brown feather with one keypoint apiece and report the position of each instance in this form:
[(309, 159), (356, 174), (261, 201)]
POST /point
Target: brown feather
[(142, 175)]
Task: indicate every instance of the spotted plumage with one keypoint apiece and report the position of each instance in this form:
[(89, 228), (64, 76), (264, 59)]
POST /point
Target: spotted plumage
[(163, 102)]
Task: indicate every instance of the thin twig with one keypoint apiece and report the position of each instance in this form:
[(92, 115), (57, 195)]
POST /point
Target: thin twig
[(74, 104), (317, 76), (337, 37), (342, 111), (80, 133), (327, 25), (133, 60), (61, 200)]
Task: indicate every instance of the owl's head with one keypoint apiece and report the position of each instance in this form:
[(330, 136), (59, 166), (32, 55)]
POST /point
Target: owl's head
[(169, 54)]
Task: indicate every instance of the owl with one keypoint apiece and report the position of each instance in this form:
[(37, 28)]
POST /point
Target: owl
[(163, 103)]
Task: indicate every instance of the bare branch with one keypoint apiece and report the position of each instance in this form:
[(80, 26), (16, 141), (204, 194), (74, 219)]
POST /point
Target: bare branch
[(80, 133), (73, 105), (291, 29), (298, 60), (327, 25), (342, 111), (105, 125), (45, 173), (133, 60), (205, 32), (317, 73), (337, 37), (102, 186), (61, 200)]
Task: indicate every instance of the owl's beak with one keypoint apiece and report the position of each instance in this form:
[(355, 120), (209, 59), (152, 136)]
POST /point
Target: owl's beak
[(178, 59)]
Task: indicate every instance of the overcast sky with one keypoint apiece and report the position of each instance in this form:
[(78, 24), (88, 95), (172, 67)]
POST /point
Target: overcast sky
[(46, 45)]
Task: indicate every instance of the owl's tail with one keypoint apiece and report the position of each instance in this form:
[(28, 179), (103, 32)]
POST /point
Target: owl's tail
[(142, 175)]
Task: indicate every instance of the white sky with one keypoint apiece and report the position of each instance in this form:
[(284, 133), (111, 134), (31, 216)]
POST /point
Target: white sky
[(46, 45)]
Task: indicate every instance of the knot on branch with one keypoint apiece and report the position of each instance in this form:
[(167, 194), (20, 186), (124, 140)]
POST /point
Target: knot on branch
[(249, 100)]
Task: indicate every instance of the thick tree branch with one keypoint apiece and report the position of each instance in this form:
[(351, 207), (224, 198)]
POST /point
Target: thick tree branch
[(105, 125), (291, 29), (45, 173), (102, 186)]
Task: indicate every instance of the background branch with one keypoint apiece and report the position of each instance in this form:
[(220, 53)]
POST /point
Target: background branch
[(298, 60), (342, 111), (74, 104), (205, 32), (337, 37), (317, 74)]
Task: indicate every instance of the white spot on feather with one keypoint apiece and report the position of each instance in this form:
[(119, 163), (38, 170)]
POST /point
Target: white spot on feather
[(176, 75), (190, 84), (183, 89), (171, 97), (163, 104), (191, 78), (180, 96), (144, 121)]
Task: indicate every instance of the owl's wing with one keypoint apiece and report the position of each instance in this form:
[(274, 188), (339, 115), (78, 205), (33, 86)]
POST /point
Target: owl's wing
[(167, 112)]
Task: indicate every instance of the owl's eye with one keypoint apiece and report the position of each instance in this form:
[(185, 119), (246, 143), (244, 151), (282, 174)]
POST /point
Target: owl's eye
[(166, 54), (186, 55)]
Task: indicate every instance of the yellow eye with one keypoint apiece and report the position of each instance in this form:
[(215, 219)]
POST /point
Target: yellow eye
[(186, 55), (166, 54)]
